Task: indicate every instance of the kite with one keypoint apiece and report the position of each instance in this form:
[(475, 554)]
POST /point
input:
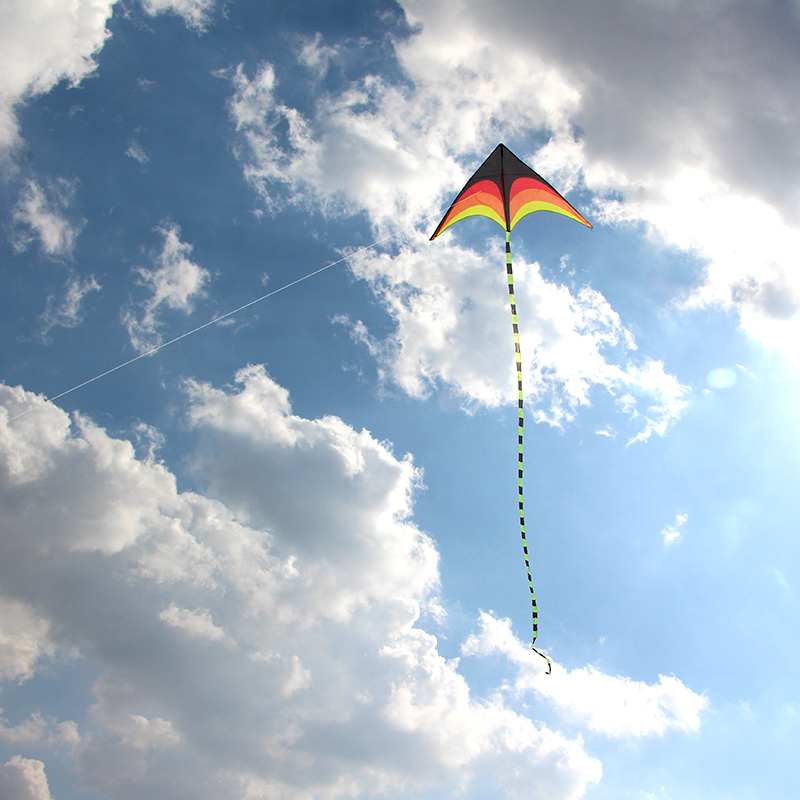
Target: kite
[(506, 189)]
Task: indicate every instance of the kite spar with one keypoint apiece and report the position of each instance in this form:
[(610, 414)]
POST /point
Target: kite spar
[(506, 189)]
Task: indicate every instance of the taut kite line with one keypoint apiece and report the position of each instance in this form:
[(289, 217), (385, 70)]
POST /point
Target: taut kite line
[(506, 189)]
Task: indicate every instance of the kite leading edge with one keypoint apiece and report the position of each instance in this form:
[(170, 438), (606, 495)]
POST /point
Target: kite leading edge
[(506, 189)]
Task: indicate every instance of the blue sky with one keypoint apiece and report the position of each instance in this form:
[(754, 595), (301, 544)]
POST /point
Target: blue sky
[(280, 557)]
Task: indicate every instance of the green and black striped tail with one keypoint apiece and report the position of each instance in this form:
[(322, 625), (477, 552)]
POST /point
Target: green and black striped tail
[(520, 402)]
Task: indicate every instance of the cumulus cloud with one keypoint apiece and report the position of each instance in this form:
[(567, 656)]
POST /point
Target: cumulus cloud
[(261, 639), (747, 244), (42, 43), (39, 730), (452, 327), (176, 282), (688, 117), (611, 706), (390, 150), (675, 116), (449, 310), (196, 623), (41, 213), (24, 640), (23, 779), (196, 13)]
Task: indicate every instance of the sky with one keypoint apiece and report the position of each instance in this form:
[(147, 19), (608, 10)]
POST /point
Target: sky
[(279, 557)]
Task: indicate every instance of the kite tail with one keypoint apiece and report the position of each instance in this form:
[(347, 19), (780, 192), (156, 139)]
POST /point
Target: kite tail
[(520, 404)]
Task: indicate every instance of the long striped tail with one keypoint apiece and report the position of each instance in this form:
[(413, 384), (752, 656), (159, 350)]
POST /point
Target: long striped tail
[(521, 420)]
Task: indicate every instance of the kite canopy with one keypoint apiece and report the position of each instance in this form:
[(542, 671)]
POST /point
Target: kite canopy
[(506, 189)]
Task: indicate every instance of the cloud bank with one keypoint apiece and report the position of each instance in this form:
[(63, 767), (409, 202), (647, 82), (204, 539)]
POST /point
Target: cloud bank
[(673, 116), (448, 308), (261, 638)]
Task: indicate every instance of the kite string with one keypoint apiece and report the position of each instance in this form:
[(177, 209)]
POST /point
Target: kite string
[(520, 403), (152, 350)]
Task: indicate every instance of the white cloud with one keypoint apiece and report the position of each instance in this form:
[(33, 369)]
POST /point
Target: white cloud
[(453, 326), (23, 779), (689, 111), (40, 730), (688, 119), (316, 55), (148, 440), (612, 706), (433, 703), (137, 152), (66, 312), (175, 283), (197, 623), (262, 640), (41, 213), (367, 489), (392, 151), (671, 534), (196, 13), (42, 43), (748, 245), (23, 640)]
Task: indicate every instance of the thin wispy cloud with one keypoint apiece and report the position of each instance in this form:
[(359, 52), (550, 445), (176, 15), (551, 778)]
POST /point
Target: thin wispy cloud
[(196, 13), (42, 214), (175, 283), (66, 310), (137, 152)]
